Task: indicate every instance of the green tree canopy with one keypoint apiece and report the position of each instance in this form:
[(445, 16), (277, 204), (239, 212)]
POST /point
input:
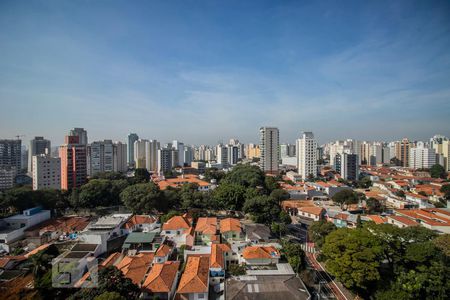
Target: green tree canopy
[(438, 171), (317, 231), (345, 197), (230, 196), (373, 205), (141, 175), (143, 198), (246, 175), (352, 255), (263, 209)]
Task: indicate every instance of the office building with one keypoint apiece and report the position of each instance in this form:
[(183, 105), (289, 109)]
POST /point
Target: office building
[(188, 155), (38, 146), (132, 137), (232, 155), (307, 155), (269, 146), (73, 163), (7, 176), (81, 134), (222, 155), (46, 172)]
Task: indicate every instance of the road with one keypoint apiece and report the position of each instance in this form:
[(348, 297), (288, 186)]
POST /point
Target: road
[(329, 285)]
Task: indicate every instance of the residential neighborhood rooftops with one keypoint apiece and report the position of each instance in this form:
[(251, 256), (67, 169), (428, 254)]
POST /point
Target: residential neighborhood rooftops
[(139, 219), (195, 276), (206, 225), (230, 224), (259, 252), (176, 223), (135, 266), (161, 277)]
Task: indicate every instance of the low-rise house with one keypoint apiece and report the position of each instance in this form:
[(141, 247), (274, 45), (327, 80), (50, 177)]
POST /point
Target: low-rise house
[(397, 202), (342, 219), (135, 266), (219, 259), (376, 219), (307, 215), (422, 201), (260, 255), (143, 241), (58, 228), (161, 281), (194, 283), (432, 218), (179, 230), (9, 262), (144, 223), (399, 184), (203, 186), (258, 233), (105, 231), (13, 228), (206, 231), (231, 229), (401, 221), (162, 254)]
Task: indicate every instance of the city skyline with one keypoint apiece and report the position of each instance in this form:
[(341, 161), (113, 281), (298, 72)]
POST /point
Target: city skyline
[(379, 71)]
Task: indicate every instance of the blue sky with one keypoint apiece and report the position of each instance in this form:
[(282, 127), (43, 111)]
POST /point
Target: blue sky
[(207, 71)]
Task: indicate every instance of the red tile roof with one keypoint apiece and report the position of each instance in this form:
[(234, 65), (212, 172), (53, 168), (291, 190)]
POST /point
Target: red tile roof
[(138, 219), (161, 277), (176, 223), (260, 252), (230, 224), (195, 276), (135, 267), (206, 225), (163, 250)]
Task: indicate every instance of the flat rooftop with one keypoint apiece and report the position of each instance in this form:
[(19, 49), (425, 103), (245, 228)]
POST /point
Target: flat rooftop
[(284, 287)]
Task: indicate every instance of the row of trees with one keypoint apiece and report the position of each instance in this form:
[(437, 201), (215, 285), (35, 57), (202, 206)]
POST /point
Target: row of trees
[(386, 261)]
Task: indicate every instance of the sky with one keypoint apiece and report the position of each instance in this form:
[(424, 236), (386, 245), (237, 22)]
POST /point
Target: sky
[(207, 71)]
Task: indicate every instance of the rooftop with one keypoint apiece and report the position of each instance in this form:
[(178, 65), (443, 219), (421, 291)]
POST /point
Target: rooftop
[(195, 276)]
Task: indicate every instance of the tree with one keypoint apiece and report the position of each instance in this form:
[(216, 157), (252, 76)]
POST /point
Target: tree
[(230, 196), (110, 296), (285, 218), (246, 175), (164, 218), (109, 175), (141, 175), (317, 231), (263, 209), (400, 193), (191, 197), (438, 171), (213, 173), (295, 256), (365, 183), (278, 228), (112, 280), (358, 222), (143, 197), (446, 190), (345, 197), (279, 195), (237, 270), (353, 256), (373, 205), (442, 242), (271, 183), (97, 192)]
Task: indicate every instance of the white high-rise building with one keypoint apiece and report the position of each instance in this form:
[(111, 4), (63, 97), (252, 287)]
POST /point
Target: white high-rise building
[(100, 157), (269, 147), (222, 155), (38, 145), (232, 155), (421, 157), (177, 145), (188, 155), (307, 155), (375, 154), (46, 172)]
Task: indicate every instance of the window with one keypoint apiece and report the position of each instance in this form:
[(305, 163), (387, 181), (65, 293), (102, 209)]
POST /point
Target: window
[(201, 296)]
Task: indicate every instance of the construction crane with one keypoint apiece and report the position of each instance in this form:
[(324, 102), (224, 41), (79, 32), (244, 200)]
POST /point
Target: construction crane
[(19, 136)]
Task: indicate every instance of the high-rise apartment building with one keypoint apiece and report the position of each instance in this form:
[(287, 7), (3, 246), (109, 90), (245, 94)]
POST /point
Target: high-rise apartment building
[(269, 145), (402, 152), (81, 134), (73, 163), (100, 157), (307, 155), (232, 154), (151, 155), (132, 137), (421, 157), (347, 165), (252, 151), (165, 156), (140, 153), (120, 157), (38, 146), (46, 171), (188, 155), (179, 146), (222, 155), (11, 154)]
